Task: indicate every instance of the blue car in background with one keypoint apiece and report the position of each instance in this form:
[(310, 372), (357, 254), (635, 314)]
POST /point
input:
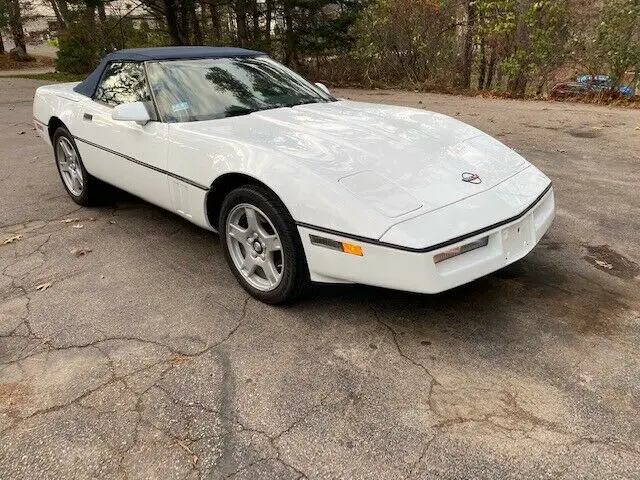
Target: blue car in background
[(585, 84)]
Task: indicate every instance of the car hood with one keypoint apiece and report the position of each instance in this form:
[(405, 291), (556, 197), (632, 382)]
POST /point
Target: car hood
[(396, 159)]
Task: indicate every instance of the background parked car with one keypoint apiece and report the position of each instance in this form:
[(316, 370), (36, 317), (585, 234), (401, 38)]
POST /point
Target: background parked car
[(586, 84)]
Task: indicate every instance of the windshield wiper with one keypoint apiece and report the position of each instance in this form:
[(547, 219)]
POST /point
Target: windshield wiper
[(237, 110), (305, 102)]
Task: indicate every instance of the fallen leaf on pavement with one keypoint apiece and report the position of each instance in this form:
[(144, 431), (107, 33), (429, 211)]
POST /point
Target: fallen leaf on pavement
[(20, 132), (11, 239), (604, 264), (70, 220), (112, 222), (560, 150), (186, 448), (80, 252), (42, 287), (77, 225), (178, 359)]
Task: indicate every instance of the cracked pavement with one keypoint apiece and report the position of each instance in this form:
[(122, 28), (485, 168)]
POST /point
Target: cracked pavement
[(143, 358)]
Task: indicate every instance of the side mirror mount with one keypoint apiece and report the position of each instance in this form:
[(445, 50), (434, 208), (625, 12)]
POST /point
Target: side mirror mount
[(131, 112), (323, 87)]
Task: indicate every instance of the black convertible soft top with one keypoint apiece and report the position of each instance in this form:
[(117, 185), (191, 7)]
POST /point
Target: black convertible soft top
[(88, 85)]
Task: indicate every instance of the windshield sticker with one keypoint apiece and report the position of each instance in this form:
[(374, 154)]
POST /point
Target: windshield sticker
[(179, 107)]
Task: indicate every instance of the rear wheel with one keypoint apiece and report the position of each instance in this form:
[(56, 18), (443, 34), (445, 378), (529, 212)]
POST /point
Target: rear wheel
[(262, 246), (81, 187)]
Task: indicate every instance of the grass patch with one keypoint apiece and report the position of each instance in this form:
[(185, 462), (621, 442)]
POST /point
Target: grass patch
[(7, 62), (50, 76)]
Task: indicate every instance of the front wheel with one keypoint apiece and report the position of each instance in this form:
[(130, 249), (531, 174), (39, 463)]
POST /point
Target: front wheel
[(80, 185), (262, 246)]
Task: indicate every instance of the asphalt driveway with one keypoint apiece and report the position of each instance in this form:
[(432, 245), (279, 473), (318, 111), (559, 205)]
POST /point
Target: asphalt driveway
[(127, 350)]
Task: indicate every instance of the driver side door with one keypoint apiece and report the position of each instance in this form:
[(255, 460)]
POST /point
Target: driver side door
[(125, 154)]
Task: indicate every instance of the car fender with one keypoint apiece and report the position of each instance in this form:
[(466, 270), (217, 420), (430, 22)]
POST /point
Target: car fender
[(309, 197), (59, 101)]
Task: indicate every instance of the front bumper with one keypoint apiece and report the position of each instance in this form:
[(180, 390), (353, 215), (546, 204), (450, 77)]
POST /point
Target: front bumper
[(402, 269), (42, 130)]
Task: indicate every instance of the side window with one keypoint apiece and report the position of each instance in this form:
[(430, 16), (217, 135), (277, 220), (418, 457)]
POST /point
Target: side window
[(123, 82)]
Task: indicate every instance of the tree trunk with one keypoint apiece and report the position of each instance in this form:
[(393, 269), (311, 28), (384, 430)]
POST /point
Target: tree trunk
[(215, 22), (241, 22), (183, 23), (15, 23), (491, 67), (173, 26), (255, 17), (102, 14), (203, 21), (195, 21), (2, 49), (59, 18), (541, 84), (517, 85), (483, 65), (63, 7), (465, 56), (290, 58), (89, 15), (267, 27)]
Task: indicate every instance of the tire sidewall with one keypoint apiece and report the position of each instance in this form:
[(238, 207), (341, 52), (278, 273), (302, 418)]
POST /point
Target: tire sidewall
[(294, 270), (83, 198)]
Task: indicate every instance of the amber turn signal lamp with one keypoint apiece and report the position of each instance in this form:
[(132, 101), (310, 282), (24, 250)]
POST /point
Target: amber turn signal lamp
[(352, 249), (344, 247)]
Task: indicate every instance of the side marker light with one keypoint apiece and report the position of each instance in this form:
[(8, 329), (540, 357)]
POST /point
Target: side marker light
[(344, 247)]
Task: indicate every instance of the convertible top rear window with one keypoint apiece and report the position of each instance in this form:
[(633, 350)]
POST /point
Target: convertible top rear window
[(207, 89)]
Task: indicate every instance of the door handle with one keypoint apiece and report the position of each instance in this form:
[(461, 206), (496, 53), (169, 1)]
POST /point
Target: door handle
[(87, 116)]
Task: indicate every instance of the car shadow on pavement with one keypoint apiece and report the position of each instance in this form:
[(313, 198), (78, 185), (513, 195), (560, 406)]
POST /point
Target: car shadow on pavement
[(541, 288)]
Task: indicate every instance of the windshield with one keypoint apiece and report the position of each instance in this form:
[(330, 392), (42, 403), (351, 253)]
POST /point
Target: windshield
[(193, 90)]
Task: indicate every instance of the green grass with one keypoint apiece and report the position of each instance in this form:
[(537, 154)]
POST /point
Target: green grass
[(51, 76)]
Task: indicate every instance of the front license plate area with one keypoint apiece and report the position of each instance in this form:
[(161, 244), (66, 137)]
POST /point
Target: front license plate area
[(517, 239)]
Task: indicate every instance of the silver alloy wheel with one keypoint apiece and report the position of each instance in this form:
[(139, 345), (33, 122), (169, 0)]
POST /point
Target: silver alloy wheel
[(69, 166), (255, 248)]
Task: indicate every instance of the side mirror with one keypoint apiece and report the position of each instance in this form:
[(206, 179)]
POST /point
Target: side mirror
[(323, 87), (131, 112)]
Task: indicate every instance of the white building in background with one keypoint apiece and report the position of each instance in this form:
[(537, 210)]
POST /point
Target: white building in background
[(39, 21)]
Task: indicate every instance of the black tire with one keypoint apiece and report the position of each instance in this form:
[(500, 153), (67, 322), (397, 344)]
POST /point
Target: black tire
[(91, 193), (295, 273)]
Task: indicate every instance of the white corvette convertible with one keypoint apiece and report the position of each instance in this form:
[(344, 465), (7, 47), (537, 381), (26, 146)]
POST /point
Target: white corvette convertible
[(301, 186)]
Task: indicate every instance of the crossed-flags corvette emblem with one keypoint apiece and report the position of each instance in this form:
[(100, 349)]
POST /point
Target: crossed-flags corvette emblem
[(471, 178)]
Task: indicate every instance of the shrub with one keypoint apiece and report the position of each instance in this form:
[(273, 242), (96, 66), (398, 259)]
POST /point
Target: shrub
[(79, 50)]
